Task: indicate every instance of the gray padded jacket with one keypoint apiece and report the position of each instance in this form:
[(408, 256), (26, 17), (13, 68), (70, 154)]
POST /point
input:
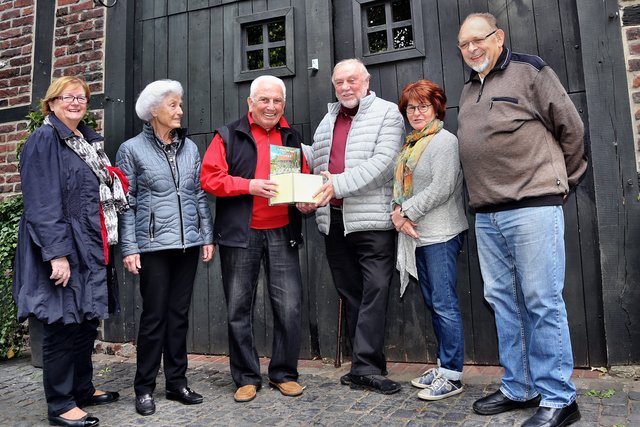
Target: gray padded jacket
[(374, 140), (162, 215)]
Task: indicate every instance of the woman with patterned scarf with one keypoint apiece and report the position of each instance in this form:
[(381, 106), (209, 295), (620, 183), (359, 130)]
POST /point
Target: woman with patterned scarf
[(72, 197), (428, 212)]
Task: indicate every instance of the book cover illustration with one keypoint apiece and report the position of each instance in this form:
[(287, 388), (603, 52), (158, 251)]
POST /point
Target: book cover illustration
[(293, 186)]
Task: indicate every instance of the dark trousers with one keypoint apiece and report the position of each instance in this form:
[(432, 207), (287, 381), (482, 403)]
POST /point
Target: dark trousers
[(67, 369), (166, 285), (240, 271), (362, 265)]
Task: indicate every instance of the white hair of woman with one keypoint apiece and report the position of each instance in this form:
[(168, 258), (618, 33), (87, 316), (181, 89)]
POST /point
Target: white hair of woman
[(267, 79), (153, 95)]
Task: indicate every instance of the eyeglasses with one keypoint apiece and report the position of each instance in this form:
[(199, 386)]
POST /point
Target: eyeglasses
[(68, 99), (476, 42), (422, 108)]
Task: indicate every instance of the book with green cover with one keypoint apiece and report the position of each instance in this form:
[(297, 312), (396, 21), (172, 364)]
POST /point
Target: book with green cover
[(293, 186)]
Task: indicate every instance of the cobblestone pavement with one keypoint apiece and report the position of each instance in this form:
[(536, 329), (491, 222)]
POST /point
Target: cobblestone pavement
[(324, 403)]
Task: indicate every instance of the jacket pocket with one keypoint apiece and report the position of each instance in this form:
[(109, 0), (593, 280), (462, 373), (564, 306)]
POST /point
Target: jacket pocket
[(152, 226), (503, 99)]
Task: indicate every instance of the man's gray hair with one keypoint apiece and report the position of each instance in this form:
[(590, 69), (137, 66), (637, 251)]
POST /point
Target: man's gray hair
[(153, 95), (491, 20), (267, 79), (357, 62)]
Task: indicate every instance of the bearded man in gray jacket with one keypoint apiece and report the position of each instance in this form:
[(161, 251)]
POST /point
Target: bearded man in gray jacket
[(354, 148)]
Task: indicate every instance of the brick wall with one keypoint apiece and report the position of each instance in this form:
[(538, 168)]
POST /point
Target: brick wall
[(78, 50), (630, 19)]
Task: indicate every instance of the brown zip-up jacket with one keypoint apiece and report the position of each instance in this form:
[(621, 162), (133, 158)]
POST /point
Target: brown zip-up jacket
[(520, 136)]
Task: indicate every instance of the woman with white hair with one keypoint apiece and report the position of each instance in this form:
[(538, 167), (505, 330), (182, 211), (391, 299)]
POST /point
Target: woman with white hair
[(162, 233)]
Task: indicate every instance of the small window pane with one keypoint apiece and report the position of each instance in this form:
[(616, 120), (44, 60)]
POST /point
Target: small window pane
[(377, 41), (254, 35), (276, 31), (375, 15), (401, 10), (402, 37), (255, 60), (277, 57)]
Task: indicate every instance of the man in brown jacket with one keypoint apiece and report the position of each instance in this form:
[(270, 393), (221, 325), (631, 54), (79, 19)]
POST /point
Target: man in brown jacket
[(521, 149)]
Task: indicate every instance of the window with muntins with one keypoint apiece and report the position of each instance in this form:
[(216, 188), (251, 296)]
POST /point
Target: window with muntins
[(387, 30), (264, 42)]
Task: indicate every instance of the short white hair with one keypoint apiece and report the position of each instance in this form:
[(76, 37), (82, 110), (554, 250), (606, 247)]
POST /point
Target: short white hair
[(352, 61), (153, 95), (267, 79)]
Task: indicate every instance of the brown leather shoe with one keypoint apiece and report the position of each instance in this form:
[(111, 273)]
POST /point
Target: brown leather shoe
[(245, 393), (290, 388)]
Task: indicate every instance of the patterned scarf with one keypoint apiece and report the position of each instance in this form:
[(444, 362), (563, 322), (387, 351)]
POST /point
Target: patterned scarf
[(113, 186), (416, 143)]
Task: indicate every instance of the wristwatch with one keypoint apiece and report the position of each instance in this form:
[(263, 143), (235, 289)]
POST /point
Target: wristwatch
[(402, 213)]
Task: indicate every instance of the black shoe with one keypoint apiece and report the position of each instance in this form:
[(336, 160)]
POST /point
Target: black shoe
[(376, 383), (86, 421), (184, 395), (554, 417), (345, 379), (497, 403), (145, 405), (100, 399)]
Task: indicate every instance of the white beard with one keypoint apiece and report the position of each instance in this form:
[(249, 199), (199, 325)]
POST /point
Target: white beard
[(482, 67)]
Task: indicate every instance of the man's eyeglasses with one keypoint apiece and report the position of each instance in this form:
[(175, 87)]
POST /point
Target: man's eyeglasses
[(68, 99), (476, 42), (423, 108)]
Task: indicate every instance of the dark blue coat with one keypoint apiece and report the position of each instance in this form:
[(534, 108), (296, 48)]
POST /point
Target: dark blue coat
[(60, 218)]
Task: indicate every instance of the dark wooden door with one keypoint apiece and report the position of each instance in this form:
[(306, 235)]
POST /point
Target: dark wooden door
[(548, 28), (196, 42)]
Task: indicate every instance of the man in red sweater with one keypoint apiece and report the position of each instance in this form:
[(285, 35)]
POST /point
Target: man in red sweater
[(235, 169)]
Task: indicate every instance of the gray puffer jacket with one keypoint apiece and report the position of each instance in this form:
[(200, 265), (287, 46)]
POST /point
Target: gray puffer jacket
[(162, 215), (375, 138)]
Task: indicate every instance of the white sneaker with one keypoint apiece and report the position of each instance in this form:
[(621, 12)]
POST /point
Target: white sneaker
[(441, 388), (425, 380)]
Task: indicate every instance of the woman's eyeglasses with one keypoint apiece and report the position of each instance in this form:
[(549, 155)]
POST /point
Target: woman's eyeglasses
[(423, 108), (68, 99)]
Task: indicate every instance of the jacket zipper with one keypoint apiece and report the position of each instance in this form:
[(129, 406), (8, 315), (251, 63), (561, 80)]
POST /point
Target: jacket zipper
[(178, 195)]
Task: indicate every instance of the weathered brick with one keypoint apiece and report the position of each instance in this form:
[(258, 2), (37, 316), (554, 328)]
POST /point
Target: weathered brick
[(8, 72), (90, 35), (19, 81), (21, 41), (25, 20), (12, 32), (20, 100), (636, 97), (13, 178), (94, 55), (10, 53), (634, 48), (66, 2), (22, 3), (65, 20), (59, 51), (97, 12), (10, 14), (81, 27), (4, 25), (76, 70), (66, 60), (81, 6), (67, 41), (633, 65), (9, 92), (80, 47)]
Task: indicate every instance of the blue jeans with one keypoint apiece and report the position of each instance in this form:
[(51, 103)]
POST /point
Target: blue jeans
[(240, 271), (438, 274), (522, 260)]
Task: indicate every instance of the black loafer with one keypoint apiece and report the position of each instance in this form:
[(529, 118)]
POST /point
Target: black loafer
[(101, 399), (554, 417), (377, 383), (185, 395), (145, 405), (86, 421), (497, 403)]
